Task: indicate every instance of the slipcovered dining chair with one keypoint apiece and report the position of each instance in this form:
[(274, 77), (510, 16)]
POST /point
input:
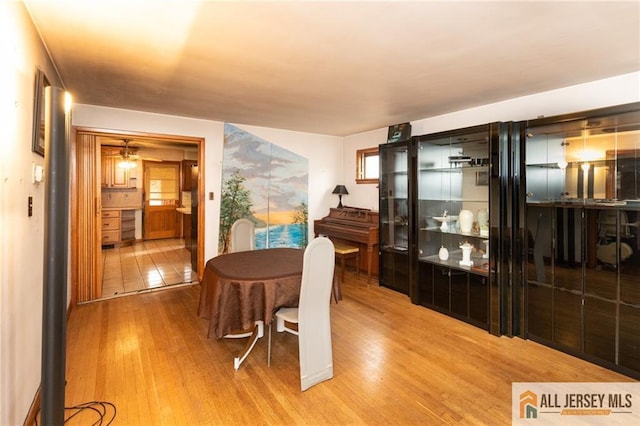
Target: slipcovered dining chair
[(312, 314), (243, 239), (242, 235)]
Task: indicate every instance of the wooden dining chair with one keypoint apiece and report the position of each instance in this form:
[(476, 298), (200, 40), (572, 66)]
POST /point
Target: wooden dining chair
[(243, 235), (312, 314)]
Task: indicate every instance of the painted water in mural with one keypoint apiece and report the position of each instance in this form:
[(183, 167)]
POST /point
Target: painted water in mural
[(292, 235), (267, 184)]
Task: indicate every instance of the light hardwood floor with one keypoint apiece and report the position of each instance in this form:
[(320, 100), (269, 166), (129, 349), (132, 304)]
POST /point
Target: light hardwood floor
[(394, 363), (145, 265)]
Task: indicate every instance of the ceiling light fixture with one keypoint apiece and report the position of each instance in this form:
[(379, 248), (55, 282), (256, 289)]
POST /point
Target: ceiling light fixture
[(127, 162)]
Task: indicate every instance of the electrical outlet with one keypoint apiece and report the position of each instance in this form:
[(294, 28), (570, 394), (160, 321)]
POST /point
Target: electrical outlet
[(211, 196)]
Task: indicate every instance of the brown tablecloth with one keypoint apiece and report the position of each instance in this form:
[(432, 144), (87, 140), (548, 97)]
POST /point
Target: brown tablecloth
[(240, 288)]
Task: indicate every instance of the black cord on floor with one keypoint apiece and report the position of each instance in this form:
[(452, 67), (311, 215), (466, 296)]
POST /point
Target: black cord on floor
[(101, 408), (105, 418)]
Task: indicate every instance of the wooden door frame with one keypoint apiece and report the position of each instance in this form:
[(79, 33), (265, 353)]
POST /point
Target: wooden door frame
[(79, 258)]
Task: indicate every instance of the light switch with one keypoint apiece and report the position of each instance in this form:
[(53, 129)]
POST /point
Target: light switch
[(30, 206), (38, 173), (211, 195)]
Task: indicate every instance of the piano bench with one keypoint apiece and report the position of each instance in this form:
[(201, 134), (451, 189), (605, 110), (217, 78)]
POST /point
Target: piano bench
[(343, 252)]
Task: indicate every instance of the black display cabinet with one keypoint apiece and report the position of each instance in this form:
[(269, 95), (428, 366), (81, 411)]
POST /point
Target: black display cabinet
[(527, 229), (582, 208), (397, 170), (467, 225)]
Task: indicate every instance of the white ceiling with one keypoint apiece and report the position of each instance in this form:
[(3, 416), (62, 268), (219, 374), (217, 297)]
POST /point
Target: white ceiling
[(335, 68)]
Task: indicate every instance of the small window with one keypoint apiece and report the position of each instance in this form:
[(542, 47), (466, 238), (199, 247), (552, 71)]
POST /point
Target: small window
[(367, 165)]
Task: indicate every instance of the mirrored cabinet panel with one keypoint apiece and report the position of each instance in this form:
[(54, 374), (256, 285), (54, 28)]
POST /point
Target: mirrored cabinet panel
[(584, 161), (583, 225)]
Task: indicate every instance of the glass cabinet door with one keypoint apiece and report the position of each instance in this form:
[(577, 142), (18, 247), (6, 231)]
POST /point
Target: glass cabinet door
[(453, 222), (394, 198), (453, 200), (396, 171), (583, 244)]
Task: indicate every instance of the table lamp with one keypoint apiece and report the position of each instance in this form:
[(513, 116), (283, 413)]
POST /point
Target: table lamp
[(340, 190)]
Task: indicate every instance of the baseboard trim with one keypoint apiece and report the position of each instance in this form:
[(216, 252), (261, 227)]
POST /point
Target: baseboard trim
[(34, 409)]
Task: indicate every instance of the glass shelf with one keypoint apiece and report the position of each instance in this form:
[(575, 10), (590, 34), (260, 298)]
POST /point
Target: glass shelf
[(480, 265), (396, 248), (633, 204), (453, 169), (394, 222), (572, 164), (454, 199), (463, 234)]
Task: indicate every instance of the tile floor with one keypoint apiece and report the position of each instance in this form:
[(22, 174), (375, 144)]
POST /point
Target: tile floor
[(145, 265)]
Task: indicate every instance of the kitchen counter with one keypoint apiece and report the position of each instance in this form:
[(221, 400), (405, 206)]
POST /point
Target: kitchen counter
[(184, 210), (121, 200)]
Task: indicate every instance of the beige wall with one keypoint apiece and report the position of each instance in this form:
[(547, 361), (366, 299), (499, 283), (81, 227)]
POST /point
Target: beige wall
[(332, 161), (21, 237)]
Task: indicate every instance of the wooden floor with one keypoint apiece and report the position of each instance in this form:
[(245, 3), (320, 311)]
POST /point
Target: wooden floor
[(394, 363), (145, 265)]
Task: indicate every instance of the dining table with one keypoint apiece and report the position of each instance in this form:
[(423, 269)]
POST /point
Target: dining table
[(240, 292)]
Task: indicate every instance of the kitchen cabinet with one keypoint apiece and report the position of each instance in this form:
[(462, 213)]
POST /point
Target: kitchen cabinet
[(582, 204), (118, 226), (186, 180), (110, 227), (111, 175)]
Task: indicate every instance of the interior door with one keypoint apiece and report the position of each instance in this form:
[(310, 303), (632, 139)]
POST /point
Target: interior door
[(161, 188), (86, 253)]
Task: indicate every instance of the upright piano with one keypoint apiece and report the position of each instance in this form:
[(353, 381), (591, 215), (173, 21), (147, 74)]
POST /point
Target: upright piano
[(355, 225)]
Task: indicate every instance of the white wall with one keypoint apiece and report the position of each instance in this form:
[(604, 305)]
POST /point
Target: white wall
[(21, 237), (324, 170), (363, 195), (613, 91)]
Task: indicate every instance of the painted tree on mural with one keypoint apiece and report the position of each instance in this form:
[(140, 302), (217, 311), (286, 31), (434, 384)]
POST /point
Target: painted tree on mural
[(235, 204), (301, 217)]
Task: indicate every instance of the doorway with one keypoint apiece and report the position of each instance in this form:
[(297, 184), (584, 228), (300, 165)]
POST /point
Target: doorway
[(89, 264), (162, 196)]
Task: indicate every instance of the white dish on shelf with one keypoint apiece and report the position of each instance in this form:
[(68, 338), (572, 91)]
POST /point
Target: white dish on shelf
[(445, 218)]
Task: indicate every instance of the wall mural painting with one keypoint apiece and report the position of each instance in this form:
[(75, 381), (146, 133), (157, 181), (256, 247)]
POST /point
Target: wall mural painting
[(267, 184)]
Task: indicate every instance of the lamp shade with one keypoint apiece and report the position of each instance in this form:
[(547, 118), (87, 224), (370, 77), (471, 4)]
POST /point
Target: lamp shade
[(340, 189)]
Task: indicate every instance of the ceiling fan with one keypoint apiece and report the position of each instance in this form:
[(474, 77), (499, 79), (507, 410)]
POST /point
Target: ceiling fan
[(128, 156)]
